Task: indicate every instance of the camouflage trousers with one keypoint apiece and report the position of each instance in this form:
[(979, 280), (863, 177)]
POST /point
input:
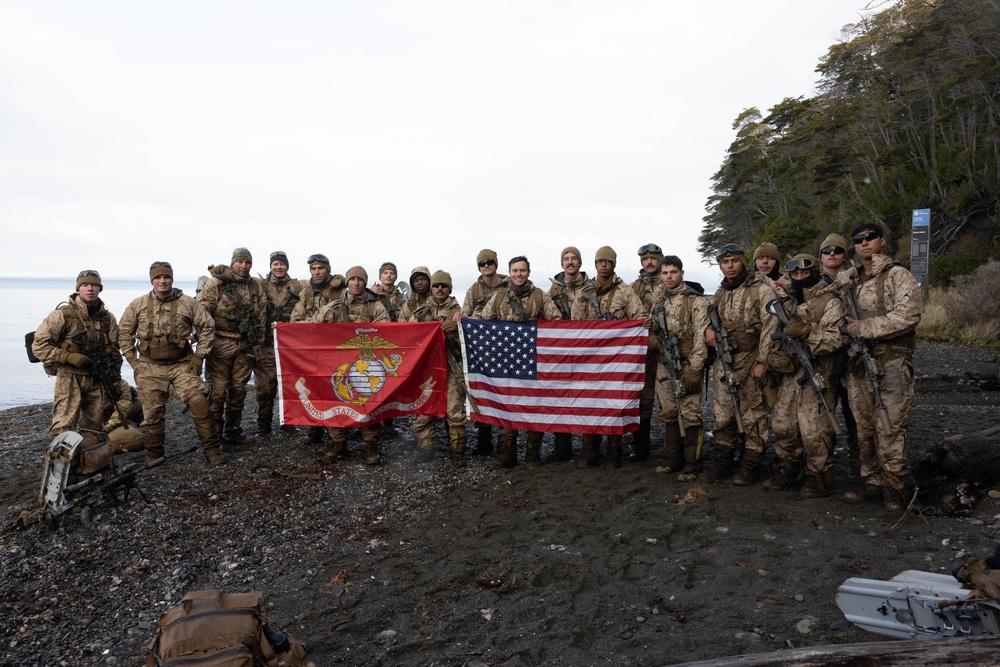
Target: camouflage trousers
[(153, 380), (753, 411), (424, 426), (801, 424), (690, 403), (883, 456), (265, 378), (78, 403), (649, 389), (228, 370)]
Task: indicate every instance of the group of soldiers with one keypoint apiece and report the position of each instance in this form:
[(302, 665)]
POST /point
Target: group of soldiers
[(789, 343)]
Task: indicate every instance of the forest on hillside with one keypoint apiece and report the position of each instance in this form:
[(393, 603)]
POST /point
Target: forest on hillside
[(905, 117)]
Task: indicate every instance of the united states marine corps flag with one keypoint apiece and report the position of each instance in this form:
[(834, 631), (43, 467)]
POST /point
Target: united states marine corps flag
[(346, 375)]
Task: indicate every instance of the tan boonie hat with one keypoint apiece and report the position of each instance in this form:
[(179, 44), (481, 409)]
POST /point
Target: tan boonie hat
[(441, 277), (241, 255), (606, 252)]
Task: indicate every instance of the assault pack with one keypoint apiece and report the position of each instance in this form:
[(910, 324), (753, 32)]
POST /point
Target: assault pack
[(218, 628)]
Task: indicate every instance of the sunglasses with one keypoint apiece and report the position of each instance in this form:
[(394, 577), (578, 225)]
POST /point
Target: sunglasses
[(650, 248), (487, 262), (832, 250), (802, 263), (318, 258), (729, 249), (870, 236), (441, 286)]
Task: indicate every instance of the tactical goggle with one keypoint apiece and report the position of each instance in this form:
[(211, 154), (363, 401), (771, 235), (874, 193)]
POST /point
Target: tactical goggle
[(870, 236), (278, 254), (800, 264), (318, 258), (728, 249), (156, 265), (650, 248)]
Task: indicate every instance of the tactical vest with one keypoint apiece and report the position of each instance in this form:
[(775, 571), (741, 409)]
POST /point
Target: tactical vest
[(480, 293), (532, 306), (166, 345), (886, 346), (745, 334), (98, 328)]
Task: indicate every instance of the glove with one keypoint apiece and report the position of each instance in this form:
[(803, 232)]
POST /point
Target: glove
[(692, 381), (195, 363), (81, 361), (798, 328)]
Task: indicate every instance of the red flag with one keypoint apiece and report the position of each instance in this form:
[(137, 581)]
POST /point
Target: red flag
[(359, 373), (580, 376)]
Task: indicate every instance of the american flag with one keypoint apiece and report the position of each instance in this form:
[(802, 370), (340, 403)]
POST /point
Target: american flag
[(555, 375)]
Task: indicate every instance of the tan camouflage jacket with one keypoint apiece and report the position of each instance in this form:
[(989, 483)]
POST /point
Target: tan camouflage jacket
[(616, 298), (891, 312), (649, 289), (52, 343), (312, 297), (160, 329), (365, 308), (570, 289), (129, 403), (281, 294), (393, 302), (411, 305), (536, 306), (225, 294), (686, 315), (442, 313), (824, 310), (479, 295), (743, 313)]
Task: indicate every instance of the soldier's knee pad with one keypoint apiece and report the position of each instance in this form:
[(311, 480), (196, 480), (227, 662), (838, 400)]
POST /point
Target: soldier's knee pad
[(199, 406)]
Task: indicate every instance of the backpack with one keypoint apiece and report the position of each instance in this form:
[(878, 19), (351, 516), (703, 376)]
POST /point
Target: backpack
[(215, 629)]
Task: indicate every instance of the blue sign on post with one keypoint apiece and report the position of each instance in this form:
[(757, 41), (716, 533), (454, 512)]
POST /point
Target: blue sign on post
[(920, 244)]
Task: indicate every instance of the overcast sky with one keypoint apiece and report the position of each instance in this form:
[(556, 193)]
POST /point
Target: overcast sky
[(418, 132)]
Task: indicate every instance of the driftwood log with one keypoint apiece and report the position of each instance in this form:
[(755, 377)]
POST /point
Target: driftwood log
[(954, 474), (965, 652)]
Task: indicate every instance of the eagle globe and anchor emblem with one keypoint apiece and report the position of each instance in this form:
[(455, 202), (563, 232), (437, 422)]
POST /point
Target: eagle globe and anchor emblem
[(359, 380)]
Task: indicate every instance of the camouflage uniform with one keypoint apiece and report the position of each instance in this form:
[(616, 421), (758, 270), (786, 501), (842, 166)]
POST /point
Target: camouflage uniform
[(393, 302), (416, 300), (425, 427), (124, 439), (281, 295), (562, 445), (685, 310), (889, 305), (313, 297), (365, 308), (155, 337), (618, 300), (79, 399), (743, 314), (531, 304), (800, 422), (229, 364), (648, 288)]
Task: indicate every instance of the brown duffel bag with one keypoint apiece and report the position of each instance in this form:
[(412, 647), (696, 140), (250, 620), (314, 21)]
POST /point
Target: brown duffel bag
[(216, 629)]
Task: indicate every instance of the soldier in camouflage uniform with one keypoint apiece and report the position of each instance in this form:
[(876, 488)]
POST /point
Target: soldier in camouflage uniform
[(767, 263), (236, 303), (476, 298), (685, 311), (155, 337), (359, 305), (79, 398), (390, 295), (420, 283), (741, 304), (611, 299), (889, 305), (646, 286), (124, 438), (564, 291), (521, 301), (281, 293), (801, 423), (442, 307)]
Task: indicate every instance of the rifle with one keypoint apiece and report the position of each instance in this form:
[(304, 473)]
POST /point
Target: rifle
[(452, 350), (562, 303), (670, 356), (339, 310), (590, 293), (799, 349), (279, 313), (726, 348), (102, 368), (516, 306), (862, 348)]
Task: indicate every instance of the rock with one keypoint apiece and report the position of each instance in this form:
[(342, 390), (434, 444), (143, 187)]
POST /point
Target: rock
[(386, 637), (840, 624), (806, 625), (799, 597)]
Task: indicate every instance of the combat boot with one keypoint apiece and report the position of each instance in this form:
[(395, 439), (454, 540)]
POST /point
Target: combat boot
[(692, 455), (533, 449), (372, 457), (456, 443), (867, 493), (785, 475), (818, 486), (484, 440), (425, 449), (722, 464), (749, 465), (207, 429), (895, 500), (507, 451), (588, 450), (640, 441), (673, 447), (562, 447), (338, 443), (614, 452), (154, 445), (314, 436)]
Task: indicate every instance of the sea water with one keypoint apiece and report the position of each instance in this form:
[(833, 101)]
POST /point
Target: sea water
[(25, 303)]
